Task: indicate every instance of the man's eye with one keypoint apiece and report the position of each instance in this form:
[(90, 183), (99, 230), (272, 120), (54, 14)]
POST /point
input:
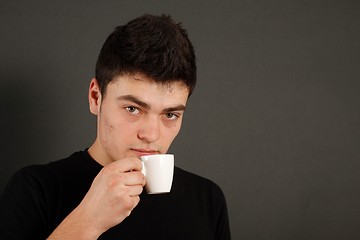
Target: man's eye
[(132, 110), (171, 116)]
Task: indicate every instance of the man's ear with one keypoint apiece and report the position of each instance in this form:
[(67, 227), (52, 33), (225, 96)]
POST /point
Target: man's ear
[(94, 97)]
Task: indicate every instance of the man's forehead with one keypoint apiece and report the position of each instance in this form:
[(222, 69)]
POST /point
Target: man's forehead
[(169, 86)]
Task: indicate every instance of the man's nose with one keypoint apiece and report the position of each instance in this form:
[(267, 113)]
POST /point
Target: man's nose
[(150, 130)]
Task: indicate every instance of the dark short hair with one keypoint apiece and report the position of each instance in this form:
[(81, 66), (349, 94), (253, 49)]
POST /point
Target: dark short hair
[(152, 45)]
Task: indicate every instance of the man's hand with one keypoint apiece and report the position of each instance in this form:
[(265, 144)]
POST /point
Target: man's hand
[(113, 194)]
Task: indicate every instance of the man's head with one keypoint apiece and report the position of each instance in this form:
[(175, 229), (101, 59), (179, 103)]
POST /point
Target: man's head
[(155, 46), (144, 75)]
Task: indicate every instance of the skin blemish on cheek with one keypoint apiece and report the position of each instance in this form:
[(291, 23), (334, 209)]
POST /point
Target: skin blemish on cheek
[(108, 126)]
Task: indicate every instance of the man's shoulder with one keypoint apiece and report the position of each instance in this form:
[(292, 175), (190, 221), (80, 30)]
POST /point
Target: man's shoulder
[(189, 176), (56, 165), (53, 170), (196, 182)]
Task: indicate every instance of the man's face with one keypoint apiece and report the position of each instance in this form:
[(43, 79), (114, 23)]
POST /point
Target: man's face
[(136, 116)]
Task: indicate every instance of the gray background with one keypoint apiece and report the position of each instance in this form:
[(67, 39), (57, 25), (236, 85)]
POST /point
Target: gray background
[(274, 119)]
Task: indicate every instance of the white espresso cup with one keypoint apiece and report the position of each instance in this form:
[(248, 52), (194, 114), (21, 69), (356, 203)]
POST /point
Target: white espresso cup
[(158, 170)]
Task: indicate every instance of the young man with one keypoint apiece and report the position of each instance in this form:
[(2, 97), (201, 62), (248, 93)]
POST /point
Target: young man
[(144, 75)]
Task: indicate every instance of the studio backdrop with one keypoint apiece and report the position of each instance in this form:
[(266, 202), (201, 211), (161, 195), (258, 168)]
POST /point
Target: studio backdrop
[(274, 119)]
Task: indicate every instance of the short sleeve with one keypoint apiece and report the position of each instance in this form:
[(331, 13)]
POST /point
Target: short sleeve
[(221, 215), (22, 207)]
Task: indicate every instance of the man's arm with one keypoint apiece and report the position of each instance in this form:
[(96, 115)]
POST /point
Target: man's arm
[(113, 194), (22, 205), (222, 218)]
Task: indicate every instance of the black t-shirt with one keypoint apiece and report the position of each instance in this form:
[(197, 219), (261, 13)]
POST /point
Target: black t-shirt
[(39, 197)]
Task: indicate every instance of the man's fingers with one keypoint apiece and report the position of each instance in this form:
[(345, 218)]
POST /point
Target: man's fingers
[(135, 191), (133, 178), (126, 164)]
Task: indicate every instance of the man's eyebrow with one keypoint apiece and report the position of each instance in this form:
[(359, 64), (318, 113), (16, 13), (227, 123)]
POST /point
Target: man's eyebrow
[(180, 107), (134, 99)]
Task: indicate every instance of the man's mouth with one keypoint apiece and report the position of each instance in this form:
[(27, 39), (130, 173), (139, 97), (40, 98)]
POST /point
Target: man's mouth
[(144, 152)]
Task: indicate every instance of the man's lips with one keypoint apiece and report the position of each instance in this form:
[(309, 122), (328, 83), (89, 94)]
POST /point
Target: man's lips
[(143, 152)]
